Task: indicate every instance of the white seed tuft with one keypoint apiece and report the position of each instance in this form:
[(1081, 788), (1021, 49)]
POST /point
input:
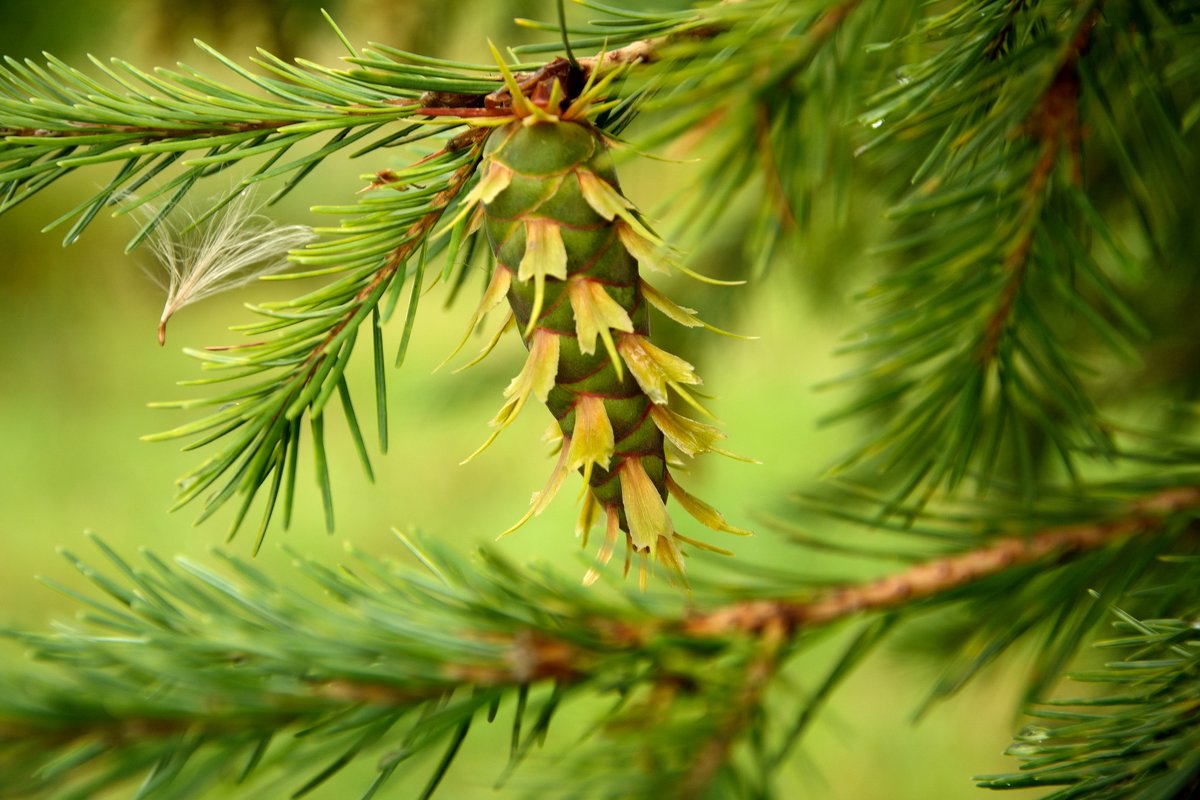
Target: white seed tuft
[(233, 248)]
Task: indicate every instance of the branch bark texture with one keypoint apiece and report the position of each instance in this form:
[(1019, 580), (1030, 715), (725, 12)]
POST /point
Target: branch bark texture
[(538, 658)]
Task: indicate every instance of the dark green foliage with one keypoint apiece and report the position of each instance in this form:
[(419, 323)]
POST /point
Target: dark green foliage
[(981, 352)]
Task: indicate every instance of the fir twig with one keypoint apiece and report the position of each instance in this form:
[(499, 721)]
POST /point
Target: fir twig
[(757, 677), (222, 653), (975, 359), (307, 342), (1055, 126), (1140, 739), (938, 577)]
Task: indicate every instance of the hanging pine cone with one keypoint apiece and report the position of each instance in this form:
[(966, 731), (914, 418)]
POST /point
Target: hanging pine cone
[(567, 248)]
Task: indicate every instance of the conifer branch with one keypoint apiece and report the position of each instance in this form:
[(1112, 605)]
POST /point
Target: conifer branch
[(311, 340), (536, 657), (149, 122), (413, 237), (1140, 737), (178, 672), (1055, 126), (55, 119), (1000, 235), (234, 660), (769, 619), (774, 80), (645, 51), (942, 576), (757, 678)]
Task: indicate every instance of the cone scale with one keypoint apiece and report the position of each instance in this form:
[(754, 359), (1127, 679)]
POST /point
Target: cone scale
[(564, 240)]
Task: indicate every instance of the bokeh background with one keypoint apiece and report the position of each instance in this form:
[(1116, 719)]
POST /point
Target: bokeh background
[(80, 363)]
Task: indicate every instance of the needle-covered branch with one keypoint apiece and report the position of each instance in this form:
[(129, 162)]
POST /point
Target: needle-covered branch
[(935, 579), (1020, 268), (55, 119), (179, 662), (1139, 737), (1015, 281), (300, 352)]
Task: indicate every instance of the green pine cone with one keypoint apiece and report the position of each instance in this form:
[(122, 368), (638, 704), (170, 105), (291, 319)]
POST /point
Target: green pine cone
[(567, 251)]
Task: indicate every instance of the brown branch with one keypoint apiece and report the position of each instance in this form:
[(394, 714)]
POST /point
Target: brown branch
[(943, 575), (639, 52), (643, 51), (414, 238), (923, 581), (829, 21), (538, 657), (534, 657), (785, 213)]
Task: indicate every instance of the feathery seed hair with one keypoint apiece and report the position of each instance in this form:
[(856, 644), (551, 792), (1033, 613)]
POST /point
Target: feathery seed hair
[(234, 247)]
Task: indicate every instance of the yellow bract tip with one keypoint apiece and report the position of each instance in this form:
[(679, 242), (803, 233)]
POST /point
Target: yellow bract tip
[(597, 314), (545, 256), (655, 369), (703, 513), (644, 508)]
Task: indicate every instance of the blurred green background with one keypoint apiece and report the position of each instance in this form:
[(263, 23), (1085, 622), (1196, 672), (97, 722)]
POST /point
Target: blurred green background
[(80, 363)]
